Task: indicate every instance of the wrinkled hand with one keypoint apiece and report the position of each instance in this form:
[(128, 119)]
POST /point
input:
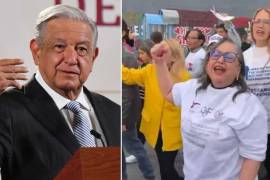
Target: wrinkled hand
[(10, 71), (160, 53)]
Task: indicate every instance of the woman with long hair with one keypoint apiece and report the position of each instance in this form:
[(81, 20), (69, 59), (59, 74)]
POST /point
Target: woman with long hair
[(160, 121)]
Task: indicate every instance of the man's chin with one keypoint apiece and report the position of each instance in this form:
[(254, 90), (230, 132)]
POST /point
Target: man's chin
[(69, 87)]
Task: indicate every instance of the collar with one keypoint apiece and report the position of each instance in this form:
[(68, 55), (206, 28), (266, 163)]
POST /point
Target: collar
[(60, 100), (196, 50)]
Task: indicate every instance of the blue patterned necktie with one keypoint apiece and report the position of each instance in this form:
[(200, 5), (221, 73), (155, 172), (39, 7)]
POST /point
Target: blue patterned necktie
[(81, 125)]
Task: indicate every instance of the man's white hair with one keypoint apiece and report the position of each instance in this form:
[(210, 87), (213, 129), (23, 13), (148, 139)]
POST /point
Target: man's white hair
[(60, 11)]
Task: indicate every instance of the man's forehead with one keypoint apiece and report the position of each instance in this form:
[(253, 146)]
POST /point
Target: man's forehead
[(64, 31), (73, 37), (69, 33), (68, 24), (194, 32), (220, 29)]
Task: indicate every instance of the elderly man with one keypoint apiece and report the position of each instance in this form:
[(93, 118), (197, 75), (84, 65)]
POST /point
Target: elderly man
[(44, 123)]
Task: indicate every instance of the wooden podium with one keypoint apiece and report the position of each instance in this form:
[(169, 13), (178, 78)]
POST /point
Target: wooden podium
[(92, 164)]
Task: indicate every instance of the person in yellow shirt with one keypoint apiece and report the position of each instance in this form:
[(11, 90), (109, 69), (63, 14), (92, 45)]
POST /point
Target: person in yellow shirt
[(160, 119)]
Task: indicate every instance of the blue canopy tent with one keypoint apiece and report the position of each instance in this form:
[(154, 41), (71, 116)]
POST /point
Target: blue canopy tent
[(163, 22), (149, 24)]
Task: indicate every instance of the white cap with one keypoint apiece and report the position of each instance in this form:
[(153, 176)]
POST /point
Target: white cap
[(214, 39)]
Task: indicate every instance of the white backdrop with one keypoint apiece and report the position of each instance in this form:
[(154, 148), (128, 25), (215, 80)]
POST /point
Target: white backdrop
[(17, 18)]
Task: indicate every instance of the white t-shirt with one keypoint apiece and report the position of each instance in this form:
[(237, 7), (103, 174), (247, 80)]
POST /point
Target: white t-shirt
[(257, 61), (218, 132), (194, 62)]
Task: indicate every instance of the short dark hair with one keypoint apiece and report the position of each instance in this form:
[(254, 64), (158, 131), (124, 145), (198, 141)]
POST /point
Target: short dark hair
[(126, 38), (200, 35), (124, 26), (156, 37), (221, 25)]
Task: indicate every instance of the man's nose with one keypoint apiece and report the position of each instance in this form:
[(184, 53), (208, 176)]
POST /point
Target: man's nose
[(71, 55)]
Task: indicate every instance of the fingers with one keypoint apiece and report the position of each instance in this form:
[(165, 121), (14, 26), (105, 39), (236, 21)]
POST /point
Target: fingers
[(6, 62), (15, 84), (8, 83), (160, 53), (14, 76), (12, 66), (155, 51), (13, 69), (158, 50)]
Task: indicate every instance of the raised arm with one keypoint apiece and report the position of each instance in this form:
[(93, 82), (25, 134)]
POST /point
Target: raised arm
[(160, 55)]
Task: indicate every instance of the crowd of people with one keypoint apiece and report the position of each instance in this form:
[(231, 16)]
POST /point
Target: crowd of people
[(211, 103)]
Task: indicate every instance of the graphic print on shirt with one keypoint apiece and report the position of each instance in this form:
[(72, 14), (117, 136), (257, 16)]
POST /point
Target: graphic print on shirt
[(194, 104), (258, 79), (189, 66), (202, 124)]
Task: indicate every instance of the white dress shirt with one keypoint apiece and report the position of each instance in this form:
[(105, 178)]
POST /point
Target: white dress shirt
[(61, 102)]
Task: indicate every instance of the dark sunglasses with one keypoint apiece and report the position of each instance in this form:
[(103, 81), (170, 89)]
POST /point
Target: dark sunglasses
[(228, 57)]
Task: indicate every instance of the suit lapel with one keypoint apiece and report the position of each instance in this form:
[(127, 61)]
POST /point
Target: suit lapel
[(100, 114), (43, 108)]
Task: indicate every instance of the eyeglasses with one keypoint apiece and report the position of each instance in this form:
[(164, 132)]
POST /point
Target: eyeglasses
[(191, 38), (228, 57), (259, 21)]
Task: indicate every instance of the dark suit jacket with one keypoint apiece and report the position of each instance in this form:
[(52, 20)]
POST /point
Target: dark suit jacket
[(35, 141)]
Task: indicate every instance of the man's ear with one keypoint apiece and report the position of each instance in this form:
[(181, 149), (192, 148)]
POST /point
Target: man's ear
[(95, 54), (201, 42), (35, 49)]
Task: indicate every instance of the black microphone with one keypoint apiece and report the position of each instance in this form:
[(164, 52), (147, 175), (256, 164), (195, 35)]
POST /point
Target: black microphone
[(97, 135)]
